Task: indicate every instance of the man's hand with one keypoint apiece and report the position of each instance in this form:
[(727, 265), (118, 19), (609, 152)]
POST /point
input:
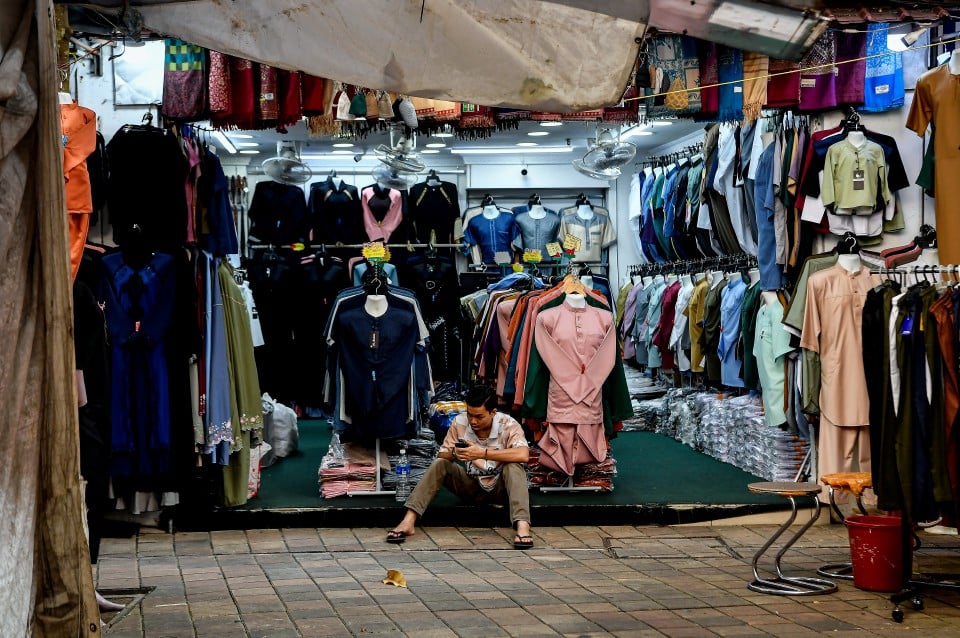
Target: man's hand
[(470, 453)]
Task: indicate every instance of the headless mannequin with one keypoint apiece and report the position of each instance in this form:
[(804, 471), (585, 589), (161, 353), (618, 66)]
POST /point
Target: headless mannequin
[(337, 181), (585, 211), (490, 212), (375, 305), (647, 281), (64, 98), (686, 281), (671, 279), (849, 262), (769, 297), (648, 171), (658, 279), (636, 280), (587, 281), (954, 62), (700, 276), (734, 277), (754, 274), (433, 180), (857, 138), (537, 211), (575, 300), (716, 278)]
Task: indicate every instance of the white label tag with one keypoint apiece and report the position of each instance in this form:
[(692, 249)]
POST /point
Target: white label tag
[(808, 83), (267, 96), (738, 89), (882, 89)]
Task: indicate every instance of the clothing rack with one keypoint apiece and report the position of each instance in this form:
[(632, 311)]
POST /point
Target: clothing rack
[(739, 261), (669, 158)]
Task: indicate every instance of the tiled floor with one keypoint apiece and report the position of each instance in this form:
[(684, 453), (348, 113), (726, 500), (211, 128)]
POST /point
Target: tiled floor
[(577, 581)]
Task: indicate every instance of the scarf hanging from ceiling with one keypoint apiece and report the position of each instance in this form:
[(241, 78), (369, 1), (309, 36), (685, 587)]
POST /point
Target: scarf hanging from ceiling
[(783, 88), (818, 86), (184, 81), (219, 83), (883, 83), (730, 69), (851, 46), (710, 94), (290, 99), (674, 66), (268, 109), (242, 98), (755, 69)]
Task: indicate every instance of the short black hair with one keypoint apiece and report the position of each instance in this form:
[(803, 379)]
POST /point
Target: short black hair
[(482, 396)]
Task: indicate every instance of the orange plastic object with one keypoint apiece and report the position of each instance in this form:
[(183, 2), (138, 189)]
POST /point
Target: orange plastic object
[(856, 482)]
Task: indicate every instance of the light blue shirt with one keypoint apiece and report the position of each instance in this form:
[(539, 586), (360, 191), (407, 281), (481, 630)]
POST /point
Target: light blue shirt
[(731, 300)]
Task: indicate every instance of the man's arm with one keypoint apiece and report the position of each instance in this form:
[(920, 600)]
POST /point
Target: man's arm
[(520, 454)]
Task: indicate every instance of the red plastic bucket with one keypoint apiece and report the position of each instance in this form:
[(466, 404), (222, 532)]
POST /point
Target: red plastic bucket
[(876, 552)]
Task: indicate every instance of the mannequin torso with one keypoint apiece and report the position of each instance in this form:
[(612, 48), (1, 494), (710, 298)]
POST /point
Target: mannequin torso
[(954, 62), (849, 262), (587, 281), (575, 300), (716, 278), (769, 297), (671, 279), (754, 274), (375, 305), (647, 281), (585, 211), (490, 212), (537, 211), (686, 280), (658, 279), (734, 277), (857, 138)]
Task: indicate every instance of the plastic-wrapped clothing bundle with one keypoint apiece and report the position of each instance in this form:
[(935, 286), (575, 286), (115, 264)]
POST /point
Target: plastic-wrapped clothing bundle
[(279, 430)]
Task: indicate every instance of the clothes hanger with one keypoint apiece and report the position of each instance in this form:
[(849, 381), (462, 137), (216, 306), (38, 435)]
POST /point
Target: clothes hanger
[(488, 201)]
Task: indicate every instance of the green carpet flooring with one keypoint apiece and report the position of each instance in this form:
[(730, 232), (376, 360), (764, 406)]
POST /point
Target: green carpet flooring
[(652, 470)]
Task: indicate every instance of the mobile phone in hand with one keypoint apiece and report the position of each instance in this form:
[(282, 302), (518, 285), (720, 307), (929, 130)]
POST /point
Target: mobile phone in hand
[(462, 443)]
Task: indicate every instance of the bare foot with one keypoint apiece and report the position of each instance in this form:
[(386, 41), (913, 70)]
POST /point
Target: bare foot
[(408, 526)]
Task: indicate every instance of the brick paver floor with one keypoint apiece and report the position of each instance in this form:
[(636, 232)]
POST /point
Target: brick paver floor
[(577, 581)]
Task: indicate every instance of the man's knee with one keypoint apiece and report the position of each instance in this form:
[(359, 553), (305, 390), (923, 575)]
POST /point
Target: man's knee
[(513, 471)]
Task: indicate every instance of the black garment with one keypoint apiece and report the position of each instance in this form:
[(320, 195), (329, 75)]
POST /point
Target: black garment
[(876, 366), (273, 279), (335, 213), (148, 172), (97, 168), (434, 281), (375, 356), (748, 331), (710, 337), (278, 214), (92, 356), (434, 208)]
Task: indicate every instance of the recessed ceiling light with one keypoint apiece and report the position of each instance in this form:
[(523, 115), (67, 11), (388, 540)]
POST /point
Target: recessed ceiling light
[(429, 151), (343, 152), (437, 145), (252, 144), (443, 134), (526, 144), (661, 123), (343, 145), (538, 133), (250, 152), (241, 136), (551, 123)]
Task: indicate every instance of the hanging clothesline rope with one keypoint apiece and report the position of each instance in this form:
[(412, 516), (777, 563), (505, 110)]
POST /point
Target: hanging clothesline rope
[(803, 70)]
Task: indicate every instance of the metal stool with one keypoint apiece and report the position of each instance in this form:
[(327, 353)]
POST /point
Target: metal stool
[(856, 482), (789, 585)]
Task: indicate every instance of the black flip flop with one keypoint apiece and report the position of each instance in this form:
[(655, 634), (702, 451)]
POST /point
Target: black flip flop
[(523, 542), (396, 537)]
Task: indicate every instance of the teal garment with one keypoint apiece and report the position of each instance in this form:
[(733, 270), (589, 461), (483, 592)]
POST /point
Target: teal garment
[(616, 397), (771, 346)]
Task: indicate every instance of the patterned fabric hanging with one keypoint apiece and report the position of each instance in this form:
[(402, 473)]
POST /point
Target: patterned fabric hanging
[(818, 81), (268, 107), (850, 75), (883, 81), (730, 70), (673, 66), (783, 88), (242, 98), (219, 83), (755, 69), (290, 99), (184, 81)]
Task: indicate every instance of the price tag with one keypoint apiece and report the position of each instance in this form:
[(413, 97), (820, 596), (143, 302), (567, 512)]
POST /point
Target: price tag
[(516, 267), (532, 256), (374, 252), (554, 249), (858, 180), (298, 247), (571, 244), (502, 258)]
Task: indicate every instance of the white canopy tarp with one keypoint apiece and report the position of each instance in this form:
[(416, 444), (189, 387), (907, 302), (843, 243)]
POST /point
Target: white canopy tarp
[(522, 53)]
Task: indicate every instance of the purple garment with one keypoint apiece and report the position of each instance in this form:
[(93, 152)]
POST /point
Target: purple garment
[(851, 46), (818, 86)]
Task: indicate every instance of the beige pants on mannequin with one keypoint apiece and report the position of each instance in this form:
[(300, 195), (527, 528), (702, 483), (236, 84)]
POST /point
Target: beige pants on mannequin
[(843, 449)]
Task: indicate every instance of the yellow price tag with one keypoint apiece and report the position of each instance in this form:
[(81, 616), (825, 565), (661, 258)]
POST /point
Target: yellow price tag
[(554, 249), (298, 246), (517, 267), (532, 256), (571, 243), (374, 252)]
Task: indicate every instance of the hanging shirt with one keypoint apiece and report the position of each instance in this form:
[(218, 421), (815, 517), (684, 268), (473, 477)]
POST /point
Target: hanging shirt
[(335, 213), (832, 328), (434, 207), (491, 235), (725, 184), (277, 213), (770, 346), (771, 274), (78, 127), (694, 313), (535, 233), (579, 347), (680, 335), (731, 300), (382, 212), (855, 178), (594, 234), (654, 311), (255, 331)]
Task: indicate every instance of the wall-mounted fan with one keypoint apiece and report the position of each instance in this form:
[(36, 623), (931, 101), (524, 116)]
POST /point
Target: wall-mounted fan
[(401, 157), (388, 177), (605, 157), (286, 167)]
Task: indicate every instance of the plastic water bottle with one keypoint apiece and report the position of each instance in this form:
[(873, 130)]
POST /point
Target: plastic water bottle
[(403, 476)]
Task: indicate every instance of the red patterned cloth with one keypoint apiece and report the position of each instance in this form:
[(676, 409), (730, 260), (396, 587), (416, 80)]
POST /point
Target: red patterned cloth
[(218, 83), (268, 107), (313, 93), (709, 77), (291, 101), (783, 90), (242, 98)]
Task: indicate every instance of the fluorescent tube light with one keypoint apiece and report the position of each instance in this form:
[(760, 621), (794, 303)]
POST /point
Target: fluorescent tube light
[(511, 151), (225, 143)]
